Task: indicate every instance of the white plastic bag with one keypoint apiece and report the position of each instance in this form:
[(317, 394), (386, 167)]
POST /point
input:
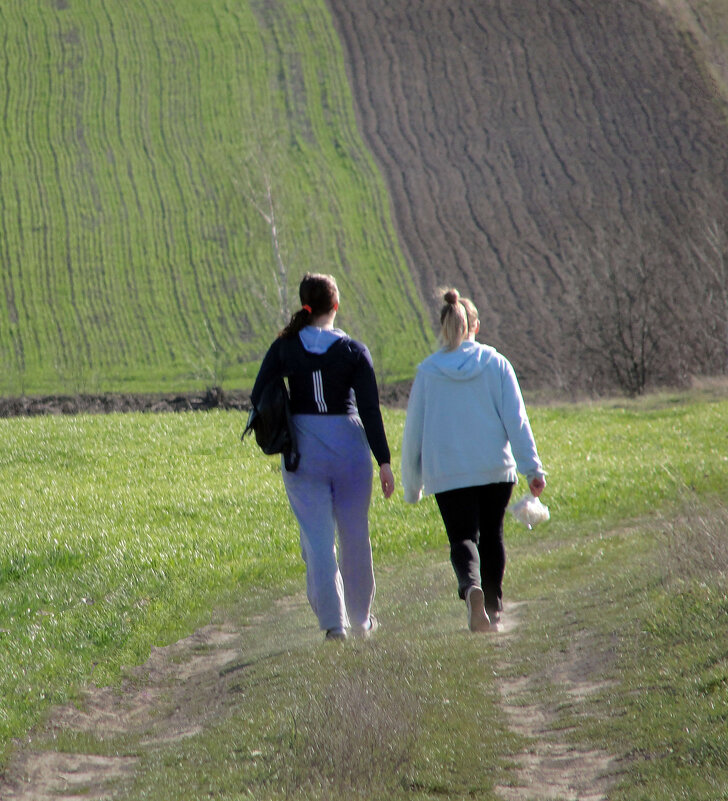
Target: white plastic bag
[(530, 511)]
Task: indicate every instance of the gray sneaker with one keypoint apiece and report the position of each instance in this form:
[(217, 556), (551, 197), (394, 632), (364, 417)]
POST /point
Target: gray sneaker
[(335, 634), (478, 619)]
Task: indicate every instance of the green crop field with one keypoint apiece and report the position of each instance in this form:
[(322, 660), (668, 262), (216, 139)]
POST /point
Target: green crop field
[(168, 171)]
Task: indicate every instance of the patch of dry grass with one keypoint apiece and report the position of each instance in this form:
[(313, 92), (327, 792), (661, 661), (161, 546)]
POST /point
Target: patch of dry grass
[(696, 545), (357, 740)]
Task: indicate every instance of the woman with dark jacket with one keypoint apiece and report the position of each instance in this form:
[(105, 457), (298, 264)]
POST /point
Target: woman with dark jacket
[(338, 422)]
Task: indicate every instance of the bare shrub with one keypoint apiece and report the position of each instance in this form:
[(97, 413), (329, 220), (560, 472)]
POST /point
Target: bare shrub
[(356, 741), (647, 311)]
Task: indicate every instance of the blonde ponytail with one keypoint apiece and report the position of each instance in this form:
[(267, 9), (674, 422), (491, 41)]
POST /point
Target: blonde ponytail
[(458, 317)]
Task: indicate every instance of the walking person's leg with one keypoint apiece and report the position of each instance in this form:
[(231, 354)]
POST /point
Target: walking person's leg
[(459, 510), (352, 492), (311, 499), (493, 501)]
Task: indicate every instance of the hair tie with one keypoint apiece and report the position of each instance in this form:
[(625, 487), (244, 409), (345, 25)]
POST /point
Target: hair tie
[(306, 307)]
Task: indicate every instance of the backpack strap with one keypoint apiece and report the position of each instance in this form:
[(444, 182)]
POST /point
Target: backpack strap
[(291, 456)]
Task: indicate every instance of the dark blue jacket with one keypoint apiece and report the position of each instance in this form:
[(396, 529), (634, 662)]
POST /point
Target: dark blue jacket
[(339, 381)]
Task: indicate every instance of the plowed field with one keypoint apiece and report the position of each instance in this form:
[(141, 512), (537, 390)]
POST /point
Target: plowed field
[(532, 148)]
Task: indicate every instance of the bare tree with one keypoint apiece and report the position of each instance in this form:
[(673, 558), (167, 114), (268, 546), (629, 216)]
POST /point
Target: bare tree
[(256, 174), (267, 209)]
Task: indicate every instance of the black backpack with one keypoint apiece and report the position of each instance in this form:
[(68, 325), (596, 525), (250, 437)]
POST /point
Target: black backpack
[(272, 424)]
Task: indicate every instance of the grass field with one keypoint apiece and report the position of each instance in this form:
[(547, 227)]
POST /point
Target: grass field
[(143, 145), (124, 532)]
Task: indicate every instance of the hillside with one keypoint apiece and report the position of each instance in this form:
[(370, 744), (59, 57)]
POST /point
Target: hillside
[(566, 165), (167, 174)]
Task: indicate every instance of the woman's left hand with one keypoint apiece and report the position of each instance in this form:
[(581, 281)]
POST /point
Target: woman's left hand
[(386, 477)]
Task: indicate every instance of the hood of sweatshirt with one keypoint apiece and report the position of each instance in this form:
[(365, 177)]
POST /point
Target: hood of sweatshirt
[(319, 340), (465, 362)]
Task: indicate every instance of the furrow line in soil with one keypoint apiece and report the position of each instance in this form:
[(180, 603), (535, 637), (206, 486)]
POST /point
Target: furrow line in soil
[(54, 333), (142, 170), (157, 154), (71, 166), (122, 255), (82, 347), (6, 54), (601, 175), (209, 220), (177, 207), (8, 283), (118, 251), (234, 237), (481, 176), (438, 147), (506, 226), (28, 336), (417, 121), (179, 140), (370, 64), (541, 113), (14, 353), (31, 240), (144, 246), (11, 353), (112, 234)]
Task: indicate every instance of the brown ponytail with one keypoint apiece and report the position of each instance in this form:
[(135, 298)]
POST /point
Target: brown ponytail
[(319, 294)]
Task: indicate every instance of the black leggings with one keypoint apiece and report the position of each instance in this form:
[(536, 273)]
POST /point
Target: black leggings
[(473, 518)]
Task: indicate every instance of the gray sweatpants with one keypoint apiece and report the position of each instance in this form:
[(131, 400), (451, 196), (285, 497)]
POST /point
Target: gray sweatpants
[(329, 494)]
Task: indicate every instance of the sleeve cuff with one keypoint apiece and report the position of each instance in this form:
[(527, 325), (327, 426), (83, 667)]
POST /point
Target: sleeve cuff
[(412, 496)]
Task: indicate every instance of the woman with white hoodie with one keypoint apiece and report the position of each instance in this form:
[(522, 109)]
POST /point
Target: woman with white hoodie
[(466, 436)]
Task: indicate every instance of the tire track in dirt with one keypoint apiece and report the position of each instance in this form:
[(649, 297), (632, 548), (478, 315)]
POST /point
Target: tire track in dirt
[(552, 766), (520, 140), (188, 685), (182, 688), (159, 703)]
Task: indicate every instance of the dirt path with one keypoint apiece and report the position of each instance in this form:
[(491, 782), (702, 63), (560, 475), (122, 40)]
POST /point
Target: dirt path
[(170, 697), (184, 686), (552, 766)]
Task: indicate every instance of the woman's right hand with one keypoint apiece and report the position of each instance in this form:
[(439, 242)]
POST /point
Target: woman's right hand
[(386, 477), (537, 486)]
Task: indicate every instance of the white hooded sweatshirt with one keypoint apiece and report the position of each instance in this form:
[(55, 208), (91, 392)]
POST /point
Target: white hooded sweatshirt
[(466, 424)]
